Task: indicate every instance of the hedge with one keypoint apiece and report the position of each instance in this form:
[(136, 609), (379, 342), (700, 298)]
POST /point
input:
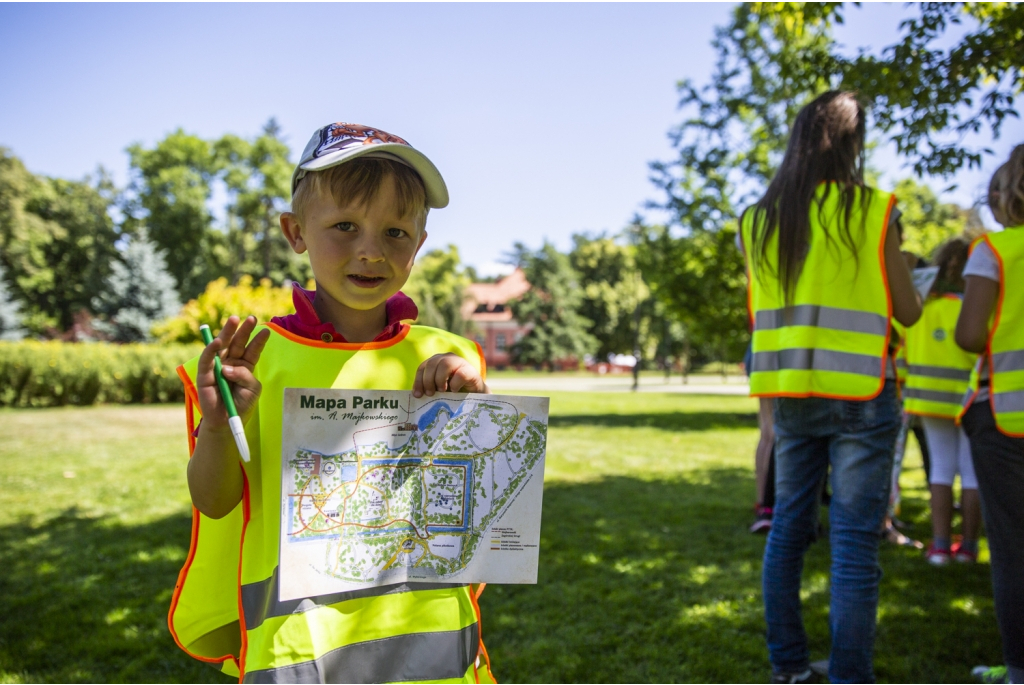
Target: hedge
[(53, 374)]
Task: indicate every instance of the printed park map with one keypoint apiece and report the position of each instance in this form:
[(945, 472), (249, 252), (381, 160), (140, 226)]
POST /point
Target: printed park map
[(381, 488)]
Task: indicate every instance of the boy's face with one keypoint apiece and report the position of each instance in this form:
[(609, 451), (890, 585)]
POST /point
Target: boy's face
[(361, 254)]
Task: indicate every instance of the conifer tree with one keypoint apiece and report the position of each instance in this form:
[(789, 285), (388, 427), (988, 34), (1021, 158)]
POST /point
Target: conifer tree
[(138, 293)]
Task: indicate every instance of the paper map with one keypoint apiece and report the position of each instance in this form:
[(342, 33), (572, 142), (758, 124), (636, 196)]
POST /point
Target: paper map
[(381, 487)]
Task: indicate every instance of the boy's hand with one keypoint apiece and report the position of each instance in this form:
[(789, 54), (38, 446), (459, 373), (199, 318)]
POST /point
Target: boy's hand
[(238, 357), (447, 373)]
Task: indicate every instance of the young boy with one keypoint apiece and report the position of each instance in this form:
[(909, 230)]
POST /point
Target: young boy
[(360, 199)]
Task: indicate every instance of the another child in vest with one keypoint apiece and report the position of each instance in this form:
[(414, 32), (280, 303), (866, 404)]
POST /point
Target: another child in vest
[(825, 276), (938, 372), (991, 323), (360, 199)]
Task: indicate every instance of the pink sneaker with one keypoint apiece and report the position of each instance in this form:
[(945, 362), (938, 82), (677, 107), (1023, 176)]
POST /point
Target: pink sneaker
[(937, 557), (763, 521)]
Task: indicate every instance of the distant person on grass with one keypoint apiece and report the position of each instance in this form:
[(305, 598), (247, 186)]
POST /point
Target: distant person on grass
[(991, 323), (360, 199), (826, 274)]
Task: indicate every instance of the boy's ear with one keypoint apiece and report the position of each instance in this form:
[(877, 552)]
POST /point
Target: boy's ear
[(293, 231), (423, 238)]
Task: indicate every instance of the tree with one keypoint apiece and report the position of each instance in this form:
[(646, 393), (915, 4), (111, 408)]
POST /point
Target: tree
[(552, 305), (57, 242), (437, 285), (927, 223), (138, 293), (258, 177), (171, 186), (616, 299), (700, 279), (10, 313), (772, 58)]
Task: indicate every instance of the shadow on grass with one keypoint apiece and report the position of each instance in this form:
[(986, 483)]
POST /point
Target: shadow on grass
[(639, 581), (658, 582), (85, 600), (673, 421)]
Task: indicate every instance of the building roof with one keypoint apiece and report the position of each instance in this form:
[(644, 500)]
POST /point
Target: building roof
[(489, 301)]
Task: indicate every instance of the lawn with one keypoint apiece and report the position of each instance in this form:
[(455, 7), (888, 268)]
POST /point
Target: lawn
[(647, 572)]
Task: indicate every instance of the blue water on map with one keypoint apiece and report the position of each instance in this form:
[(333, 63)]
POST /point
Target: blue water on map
[(430, 414), (348, 471)]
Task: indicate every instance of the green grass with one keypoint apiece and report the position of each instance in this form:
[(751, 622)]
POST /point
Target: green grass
[(647, 572)]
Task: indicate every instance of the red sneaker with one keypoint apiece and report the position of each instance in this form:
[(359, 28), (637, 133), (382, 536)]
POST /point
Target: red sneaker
[(937, 557)]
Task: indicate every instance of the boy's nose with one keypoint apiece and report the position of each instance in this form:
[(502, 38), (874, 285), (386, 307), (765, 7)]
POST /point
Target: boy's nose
[(370, 249)]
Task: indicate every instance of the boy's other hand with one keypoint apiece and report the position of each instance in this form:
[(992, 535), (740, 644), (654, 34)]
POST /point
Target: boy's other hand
[(447, 373), (238, 357)]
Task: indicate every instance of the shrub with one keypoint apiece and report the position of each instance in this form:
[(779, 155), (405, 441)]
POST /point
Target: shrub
[(219, 301), (52, 374)]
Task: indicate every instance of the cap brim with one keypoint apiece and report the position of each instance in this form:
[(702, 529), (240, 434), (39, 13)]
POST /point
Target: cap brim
[(437, 191)]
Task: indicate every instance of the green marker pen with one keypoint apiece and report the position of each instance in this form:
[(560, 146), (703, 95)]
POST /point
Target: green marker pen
[(234, 421)]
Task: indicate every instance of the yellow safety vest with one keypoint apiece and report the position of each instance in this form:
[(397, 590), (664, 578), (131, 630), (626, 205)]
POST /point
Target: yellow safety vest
[(226, 608), (937, 370), (832, 338), (1004, 354)]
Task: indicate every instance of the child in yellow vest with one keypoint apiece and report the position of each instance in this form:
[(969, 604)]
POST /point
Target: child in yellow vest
[(991, 323), (360, 198), (938, 372)]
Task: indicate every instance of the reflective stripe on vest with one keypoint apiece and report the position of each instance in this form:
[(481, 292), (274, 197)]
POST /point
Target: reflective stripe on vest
[(418, 657), (1005, 351), (831, 338), (416, 631), (938, 371)]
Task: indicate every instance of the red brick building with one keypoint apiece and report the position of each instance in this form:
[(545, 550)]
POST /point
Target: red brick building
[(488, 307)]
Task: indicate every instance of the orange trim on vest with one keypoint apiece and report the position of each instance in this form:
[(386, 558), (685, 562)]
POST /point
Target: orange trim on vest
[(191, 400), (379, 345), (241, 551), (483, 361)]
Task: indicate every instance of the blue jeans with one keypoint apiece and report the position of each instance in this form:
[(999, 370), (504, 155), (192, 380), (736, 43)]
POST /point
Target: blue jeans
[(857, 439)]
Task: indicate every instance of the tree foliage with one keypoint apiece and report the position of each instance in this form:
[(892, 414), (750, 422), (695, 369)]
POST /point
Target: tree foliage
[(171, 186), (258, 178), (772, 58), (700, 279), (927, 222), (616, 299), (437, 285), (57, 242), (552, 305)]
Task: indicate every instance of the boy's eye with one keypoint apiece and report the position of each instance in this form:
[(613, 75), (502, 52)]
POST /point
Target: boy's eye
[(395, 233), (345, 226)]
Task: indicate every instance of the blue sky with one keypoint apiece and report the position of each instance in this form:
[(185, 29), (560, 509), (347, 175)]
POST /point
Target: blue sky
[(542, 118)]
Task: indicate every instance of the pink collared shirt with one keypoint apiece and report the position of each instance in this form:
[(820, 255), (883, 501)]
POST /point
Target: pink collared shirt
[(305, 322)]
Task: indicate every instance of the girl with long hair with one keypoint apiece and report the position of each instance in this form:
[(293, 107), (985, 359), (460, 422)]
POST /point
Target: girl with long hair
[(825, 277)]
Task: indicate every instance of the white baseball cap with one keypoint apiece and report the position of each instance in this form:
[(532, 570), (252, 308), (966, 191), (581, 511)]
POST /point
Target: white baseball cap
[(338, 143)]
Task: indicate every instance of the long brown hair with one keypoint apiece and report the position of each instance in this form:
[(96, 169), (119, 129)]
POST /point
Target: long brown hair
[(826, 144), (951, 258)]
